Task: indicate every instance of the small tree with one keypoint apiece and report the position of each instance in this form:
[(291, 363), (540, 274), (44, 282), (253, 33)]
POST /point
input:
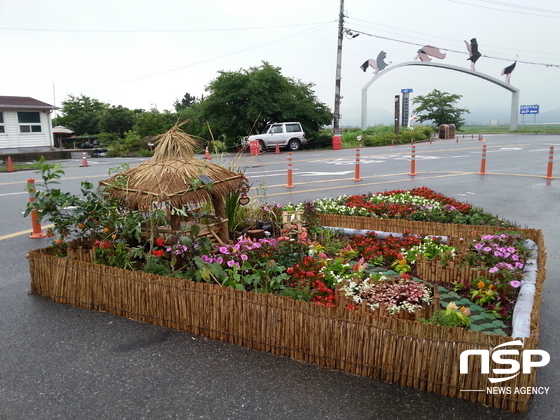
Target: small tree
[(439, 107)]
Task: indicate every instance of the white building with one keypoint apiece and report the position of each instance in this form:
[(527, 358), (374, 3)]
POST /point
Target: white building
[(25, 123)]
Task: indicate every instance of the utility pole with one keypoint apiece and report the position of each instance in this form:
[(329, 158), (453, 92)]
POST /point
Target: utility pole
[(338, 67)]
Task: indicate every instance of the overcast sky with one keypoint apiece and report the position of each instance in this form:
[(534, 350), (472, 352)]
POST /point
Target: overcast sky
[(148, 53)]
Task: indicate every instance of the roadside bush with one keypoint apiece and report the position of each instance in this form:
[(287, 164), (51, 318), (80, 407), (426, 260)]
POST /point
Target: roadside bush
[(321, 141), (132, 144)]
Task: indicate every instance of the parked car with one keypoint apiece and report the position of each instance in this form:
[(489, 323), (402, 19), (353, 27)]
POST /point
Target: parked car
[(284, 134), (100, 152)]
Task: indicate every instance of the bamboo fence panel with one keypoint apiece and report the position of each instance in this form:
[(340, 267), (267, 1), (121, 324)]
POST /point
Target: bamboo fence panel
[(401, 351)]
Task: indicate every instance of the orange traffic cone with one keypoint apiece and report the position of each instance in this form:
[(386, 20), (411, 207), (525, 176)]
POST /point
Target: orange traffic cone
[(10, 165), (207, 154), (277, 152), (84, 161)]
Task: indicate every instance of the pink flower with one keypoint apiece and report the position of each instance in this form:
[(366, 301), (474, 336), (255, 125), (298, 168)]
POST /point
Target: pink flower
[(515, 283)]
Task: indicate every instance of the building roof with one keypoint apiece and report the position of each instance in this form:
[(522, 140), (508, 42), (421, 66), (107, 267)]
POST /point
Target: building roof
[(23, 102)]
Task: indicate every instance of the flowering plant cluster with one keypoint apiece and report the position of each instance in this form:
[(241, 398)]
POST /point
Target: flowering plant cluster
[(340, 269), (432, 196), (451, 316), (159, 243), (431, 247), (243, 250), (303, 264), (400, 265), (504, 255), (112, 252), (405, 294), (309, 278), (498, 252), (379, 251), (420, 204)]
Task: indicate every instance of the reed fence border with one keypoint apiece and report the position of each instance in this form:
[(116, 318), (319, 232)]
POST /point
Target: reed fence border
[(400, 351)]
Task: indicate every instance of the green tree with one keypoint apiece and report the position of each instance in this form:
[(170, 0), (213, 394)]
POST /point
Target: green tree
[(81, 114), (440, 108), (187, 102), (118, 120), (153, 123), (243, 102)]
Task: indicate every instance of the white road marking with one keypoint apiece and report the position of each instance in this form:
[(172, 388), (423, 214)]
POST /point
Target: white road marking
[(16, 193), (324, 173)]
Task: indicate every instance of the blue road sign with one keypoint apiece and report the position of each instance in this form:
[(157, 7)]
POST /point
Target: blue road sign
[(406, 90), (529, 109)]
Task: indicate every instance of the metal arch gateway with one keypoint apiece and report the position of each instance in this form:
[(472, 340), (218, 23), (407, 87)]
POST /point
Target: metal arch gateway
[(514, 91)]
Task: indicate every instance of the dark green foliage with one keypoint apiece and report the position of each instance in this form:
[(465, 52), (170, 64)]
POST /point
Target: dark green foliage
[(383, 136), (242, 103), (475, 216), (117, 120)]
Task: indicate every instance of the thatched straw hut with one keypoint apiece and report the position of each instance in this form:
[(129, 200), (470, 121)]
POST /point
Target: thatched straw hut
[(174, 177)]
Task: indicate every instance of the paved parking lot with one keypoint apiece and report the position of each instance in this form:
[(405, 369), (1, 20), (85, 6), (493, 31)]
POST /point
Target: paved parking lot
[(60, 362)]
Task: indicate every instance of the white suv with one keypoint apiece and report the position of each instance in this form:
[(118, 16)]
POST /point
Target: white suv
[(285, 134)]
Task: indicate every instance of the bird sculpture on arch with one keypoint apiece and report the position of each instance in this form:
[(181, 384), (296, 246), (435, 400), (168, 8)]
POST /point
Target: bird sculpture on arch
[(474, 54), (427, 52), (508, 70), (378, 64)]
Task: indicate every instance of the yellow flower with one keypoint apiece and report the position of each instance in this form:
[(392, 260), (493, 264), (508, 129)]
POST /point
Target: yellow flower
[(452, 306), (481, 284)]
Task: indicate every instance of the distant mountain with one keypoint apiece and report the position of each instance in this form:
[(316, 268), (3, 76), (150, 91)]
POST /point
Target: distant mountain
[(549, 116), (379, 116), (488, 115)]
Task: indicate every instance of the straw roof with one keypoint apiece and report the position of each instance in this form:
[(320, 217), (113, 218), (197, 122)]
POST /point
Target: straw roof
[(172, 175)]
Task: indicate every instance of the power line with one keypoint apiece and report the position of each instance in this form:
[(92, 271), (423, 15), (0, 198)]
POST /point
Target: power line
[(446, 39), (311, 30), (499, 3), (449, 50), (147, 31), (518, 6)]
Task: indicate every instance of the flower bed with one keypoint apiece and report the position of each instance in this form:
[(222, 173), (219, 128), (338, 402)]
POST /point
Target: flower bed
[(350, 304), (402, 351)]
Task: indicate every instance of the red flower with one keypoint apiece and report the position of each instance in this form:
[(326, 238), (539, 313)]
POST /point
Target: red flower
[(351, 307), (105, 245), (290, 270), (160, 242), (158, 253)]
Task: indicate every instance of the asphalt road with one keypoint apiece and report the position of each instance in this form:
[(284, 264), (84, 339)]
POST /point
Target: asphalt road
[(60, 362)]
